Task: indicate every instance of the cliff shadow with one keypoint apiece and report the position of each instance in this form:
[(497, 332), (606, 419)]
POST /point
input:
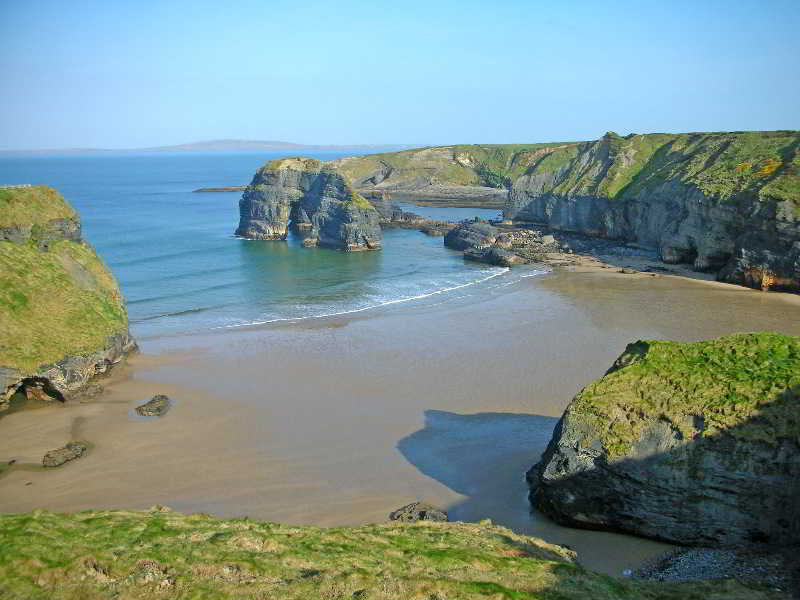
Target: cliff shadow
[(482, 456)]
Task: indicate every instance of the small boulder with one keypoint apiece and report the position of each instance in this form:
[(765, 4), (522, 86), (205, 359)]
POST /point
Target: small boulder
[(156, 407), (418, 511), (73, 450)]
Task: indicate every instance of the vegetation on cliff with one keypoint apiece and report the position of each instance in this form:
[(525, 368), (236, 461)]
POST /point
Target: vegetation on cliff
[(723, 165), (488, 165), (32, 205), (738, 385), (125, 554), (56, 299)]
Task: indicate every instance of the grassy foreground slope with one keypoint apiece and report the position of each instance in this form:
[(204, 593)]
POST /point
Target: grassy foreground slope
[(57, 298), (123, 554)]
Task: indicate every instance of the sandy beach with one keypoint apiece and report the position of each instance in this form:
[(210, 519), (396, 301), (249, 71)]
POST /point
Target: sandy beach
[(341, 420)]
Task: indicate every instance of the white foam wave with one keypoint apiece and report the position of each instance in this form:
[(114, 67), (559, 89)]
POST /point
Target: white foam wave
[(370, 307)]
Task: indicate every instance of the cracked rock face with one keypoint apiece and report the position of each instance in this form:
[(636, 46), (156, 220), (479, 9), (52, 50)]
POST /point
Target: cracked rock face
[(726, 203), (315, 199), (658, 448)]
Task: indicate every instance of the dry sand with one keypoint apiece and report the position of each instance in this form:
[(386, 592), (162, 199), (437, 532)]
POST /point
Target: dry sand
[(342, 420)]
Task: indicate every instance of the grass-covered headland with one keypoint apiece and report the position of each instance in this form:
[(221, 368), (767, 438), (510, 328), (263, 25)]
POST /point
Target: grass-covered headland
[(158, 553)]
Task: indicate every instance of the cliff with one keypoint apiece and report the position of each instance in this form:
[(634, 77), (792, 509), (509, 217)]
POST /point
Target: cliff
[(723, 202), (315, 198), (453, 175), (158, 553), (691, 443), (62, 316)]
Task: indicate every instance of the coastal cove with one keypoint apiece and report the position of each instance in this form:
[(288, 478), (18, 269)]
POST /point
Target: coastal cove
[(324, 388)]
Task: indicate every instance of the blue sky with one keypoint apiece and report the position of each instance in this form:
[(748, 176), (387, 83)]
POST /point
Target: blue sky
[(132, 74)]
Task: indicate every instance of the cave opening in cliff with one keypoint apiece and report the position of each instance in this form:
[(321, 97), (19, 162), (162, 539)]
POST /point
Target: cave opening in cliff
[(39, 389)]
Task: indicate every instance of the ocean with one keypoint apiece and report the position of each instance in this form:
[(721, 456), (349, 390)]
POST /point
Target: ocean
[(183, 271)]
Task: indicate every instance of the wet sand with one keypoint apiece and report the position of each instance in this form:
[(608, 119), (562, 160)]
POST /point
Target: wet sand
[(340, 421)]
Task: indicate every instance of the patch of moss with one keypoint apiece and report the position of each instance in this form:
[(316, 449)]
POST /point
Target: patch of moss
[(745, 385), (127, 554), (32, 205)]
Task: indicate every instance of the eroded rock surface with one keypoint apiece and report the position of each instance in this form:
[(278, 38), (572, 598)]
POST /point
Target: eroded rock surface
[(727, 203), (157, 406), (418, 511), (691, 443), (73, 450), (313, 196)]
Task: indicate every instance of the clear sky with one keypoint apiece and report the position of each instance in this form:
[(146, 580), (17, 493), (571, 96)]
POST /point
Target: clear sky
[(119, 74)]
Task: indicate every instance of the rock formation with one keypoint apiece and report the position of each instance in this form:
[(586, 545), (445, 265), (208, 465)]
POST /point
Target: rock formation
[(722, 202), (691, 443), (504, 247), (62, 316), (315, 198)]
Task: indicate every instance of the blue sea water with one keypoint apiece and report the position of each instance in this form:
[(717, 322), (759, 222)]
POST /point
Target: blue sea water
[(182, 270)]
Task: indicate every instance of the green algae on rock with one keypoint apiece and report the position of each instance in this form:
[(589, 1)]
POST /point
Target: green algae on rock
[(317, 200), (62, 315), (697, 443), (158, 553)]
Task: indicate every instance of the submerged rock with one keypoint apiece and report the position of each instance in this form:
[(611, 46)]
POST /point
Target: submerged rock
[(73, 450), (695, 443), (418, 511), (157, 406), (316, 199)]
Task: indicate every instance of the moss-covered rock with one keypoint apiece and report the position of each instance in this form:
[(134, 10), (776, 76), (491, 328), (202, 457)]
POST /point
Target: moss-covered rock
[(695, 443), (116, 554), (62, 315), (315, 198)]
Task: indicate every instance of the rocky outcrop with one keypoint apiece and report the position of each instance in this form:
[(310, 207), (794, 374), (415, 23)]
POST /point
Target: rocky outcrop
[(722, 202), (62, 315), (690, 443), (418, 511), (73, 450), (314, 197), (157, 406), (483, 242)]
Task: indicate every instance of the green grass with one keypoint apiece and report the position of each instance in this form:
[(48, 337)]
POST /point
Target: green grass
[(32, 205), (55, 304), (744, 385), (126, 554), (491, 165), (756, 166)]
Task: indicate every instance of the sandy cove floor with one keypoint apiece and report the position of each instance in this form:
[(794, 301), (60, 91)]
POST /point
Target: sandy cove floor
[(342, 420)]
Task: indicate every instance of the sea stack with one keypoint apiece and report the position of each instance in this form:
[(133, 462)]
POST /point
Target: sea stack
[(62, 315), (312, 197), (696, 443)]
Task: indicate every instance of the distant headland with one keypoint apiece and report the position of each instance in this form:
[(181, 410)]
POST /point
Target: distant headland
[(226, 145)]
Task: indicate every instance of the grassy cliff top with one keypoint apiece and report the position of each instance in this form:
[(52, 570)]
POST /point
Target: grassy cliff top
[(763, 165), (746, 385), (32, 205), (490, 165), (55, 303), (296, 163), (124, 554)]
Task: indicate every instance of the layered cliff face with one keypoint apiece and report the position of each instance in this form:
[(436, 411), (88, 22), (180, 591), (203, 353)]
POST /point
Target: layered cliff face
[(724, 202), (62, 316), (315, 198), (693, 443), (456, 175)]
